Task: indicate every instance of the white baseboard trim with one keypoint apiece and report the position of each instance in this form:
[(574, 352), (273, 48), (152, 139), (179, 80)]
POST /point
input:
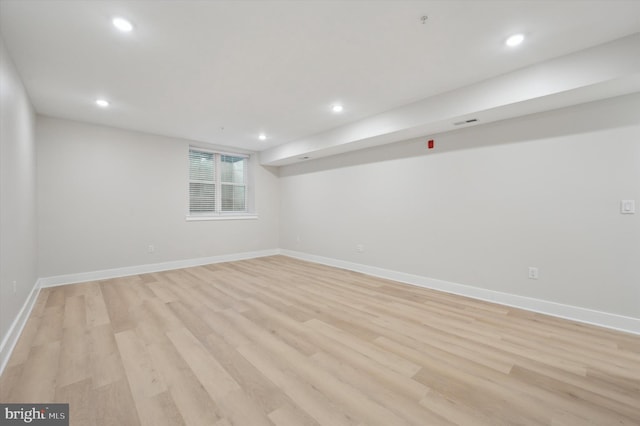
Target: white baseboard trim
[(14, 332), (11, 338), (153, 267), (575, 313)]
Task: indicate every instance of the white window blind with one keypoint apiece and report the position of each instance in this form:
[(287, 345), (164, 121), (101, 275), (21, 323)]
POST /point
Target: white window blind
[(233, 183), (217, 183)]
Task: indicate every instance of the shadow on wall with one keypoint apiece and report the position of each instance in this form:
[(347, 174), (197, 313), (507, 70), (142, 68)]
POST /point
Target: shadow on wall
[(583, 118)]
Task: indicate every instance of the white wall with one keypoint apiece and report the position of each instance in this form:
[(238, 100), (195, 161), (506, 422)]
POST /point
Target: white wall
[(487, 203), (105, 194), (17, 195)]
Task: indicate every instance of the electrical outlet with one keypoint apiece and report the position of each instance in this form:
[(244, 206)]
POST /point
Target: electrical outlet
[(360, 248), (627, 207), (298, 238), (151, 248), (533, 273), (15, 287)]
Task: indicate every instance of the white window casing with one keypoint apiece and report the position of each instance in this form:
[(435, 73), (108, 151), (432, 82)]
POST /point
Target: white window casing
[(218, 185)]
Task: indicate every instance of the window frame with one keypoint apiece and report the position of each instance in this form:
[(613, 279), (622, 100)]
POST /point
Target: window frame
[(218, 213)]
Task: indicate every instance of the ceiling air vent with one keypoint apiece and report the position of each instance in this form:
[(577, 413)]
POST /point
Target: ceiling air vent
[(471, 120)]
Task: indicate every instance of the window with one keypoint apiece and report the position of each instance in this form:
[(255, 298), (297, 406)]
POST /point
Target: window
[(217, 183)]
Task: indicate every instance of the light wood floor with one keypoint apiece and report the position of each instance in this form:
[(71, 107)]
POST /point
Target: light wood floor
[(277, 341)]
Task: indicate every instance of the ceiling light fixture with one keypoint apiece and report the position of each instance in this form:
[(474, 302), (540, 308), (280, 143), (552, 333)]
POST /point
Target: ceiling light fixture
[(102, 103), (262, 136), (122, 24), (515, 40), (337, 108)]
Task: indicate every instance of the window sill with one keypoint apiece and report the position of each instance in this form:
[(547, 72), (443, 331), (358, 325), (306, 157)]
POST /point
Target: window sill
[(222, 217)]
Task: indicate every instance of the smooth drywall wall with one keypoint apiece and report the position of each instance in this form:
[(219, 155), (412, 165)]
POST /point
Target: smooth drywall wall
[(487, 203), (18, 261), (106, 194)]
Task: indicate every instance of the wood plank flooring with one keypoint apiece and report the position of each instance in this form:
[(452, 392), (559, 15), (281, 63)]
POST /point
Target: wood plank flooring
[(278, 341)]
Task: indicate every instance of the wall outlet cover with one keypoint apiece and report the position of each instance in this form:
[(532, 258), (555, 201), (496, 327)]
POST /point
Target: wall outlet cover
[(628, 206)]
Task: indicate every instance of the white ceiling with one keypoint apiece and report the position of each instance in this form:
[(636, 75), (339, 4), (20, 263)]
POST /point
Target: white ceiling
[(192, 68)]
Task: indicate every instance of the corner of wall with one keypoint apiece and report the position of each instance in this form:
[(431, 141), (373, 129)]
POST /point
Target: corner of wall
[(18, 246), (10, 339)]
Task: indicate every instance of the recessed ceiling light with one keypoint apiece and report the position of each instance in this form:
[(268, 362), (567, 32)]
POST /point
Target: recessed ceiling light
[(514, 40), (102, 103), (337, 108), (122, 24), (262, 136)]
